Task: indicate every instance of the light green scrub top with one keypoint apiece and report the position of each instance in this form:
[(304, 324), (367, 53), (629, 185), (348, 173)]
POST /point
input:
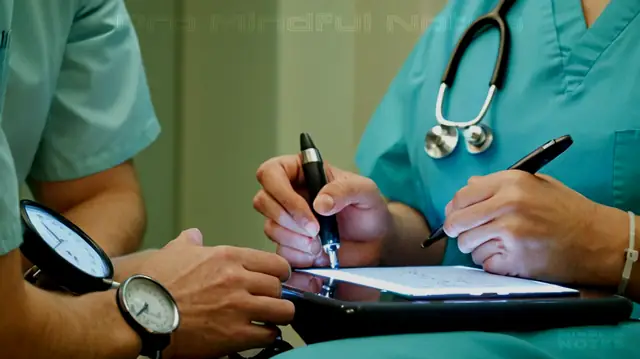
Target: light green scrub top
[(76, 101), (563, 79)]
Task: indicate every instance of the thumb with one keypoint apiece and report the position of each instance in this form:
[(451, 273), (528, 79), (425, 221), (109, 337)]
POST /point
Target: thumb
[(357, 191), (191, 236)]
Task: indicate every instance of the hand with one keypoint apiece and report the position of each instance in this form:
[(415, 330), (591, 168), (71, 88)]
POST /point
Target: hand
[(518, 224), (363, 217), (220, 292)]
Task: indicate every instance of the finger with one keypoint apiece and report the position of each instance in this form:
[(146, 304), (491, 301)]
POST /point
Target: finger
[(296, 258), (265, 262), (276, 177), (270, 208), (260, 284), (466, 219), (354, 190), (477, 190), (291, 239), (270, 310), (497, 264), (470, 240), (486, 250)]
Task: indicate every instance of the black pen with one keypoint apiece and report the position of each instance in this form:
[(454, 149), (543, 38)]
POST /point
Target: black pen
[(315, 178), (531, 163)]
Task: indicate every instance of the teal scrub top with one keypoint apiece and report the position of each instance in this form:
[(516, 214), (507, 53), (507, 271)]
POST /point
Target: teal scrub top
[(76, 100), (563, 78)]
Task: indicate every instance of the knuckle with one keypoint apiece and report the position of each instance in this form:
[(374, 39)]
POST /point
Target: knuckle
[(473, 180), (265, 168), (519, 177), (268, 229), (226, 252), (516, 198), (368, 184), (258, 200), (513, 228), (231, 276), (262, 169), (456, 200)]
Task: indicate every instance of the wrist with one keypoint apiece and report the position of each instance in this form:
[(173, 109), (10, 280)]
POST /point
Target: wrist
[(610, 227), (117, 338), (128, 265)]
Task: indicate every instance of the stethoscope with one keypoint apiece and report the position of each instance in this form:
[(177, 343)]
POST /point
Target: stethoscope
[(442, 139)]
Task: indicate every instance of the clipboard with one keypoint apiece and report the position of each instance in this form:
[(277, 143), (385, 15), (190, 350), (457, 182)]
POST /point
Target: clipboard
[(357, 302)]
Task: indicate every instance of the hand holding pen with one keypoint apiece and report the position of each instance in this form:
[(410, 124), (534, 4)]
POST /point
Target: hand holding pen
[(291, 212), (531, 164), (534, 226), (315, 179)]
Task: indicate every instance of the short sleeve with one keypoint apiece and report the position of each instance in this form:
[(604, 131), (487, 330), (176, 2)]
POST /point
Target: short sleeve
[(101, 113), (10, 230), (383, 153)]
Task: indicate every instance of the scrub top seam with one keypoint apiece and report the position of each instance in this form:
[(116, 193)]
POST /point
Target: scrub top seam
[(615, 38), (558, 47)]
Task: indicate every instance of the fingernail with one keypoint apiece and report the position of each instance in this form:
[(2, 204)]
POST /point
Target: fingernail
[(288, 276), (315, 247), (194, 235), (324, 203), (311, 228)]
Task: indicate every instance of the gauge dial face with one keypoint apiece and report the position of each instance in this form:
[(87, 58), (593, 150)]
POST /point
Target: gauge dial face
[(67, 243), (150, 305)]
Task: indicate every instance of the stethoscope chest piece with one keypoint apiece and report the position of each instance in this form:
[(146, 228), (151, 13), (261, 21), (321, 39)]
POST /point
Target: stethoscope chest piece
[(440, 141), (478, 138)]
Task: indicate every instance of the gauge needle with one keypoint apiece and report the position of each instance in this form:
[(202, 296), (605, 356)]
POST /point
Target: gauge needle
[(54, 235), (144, 308)]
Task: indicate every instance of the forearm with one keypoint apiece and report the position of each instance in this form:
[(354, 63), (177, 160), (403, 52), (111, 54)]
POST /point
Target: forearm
[(115, 219), (410, 229), (37, 324)]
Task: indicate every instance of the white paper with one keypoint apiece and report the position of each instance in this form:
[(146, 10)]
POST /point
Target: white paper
[(438, 281)]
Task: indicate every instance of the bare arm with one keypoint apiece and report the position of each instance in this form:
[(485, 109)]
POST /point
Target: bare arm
[(86, 327), (107, 205), (410, 230)]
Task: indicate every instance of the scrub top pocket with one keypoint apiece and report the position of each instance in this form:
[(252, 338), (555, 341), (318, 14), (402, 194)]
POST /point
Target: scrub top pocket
[(626, 170)]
